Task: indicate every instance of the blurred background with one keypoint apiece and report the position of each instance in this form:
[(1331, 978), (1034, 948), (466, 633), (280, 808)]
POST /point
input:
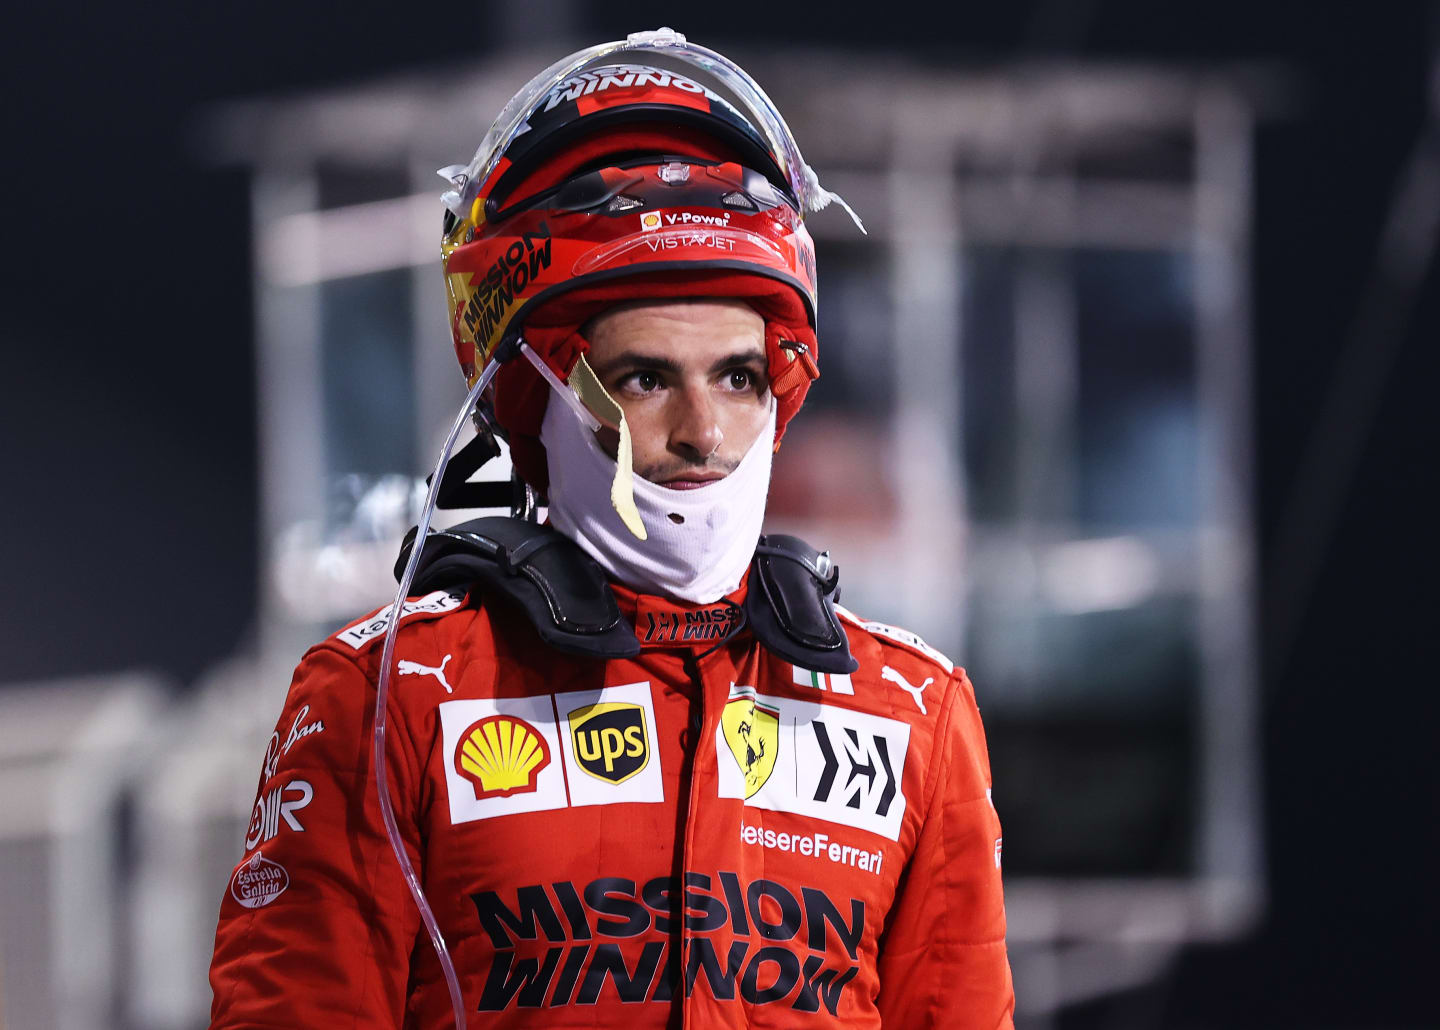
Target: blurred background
[(1124, 408)]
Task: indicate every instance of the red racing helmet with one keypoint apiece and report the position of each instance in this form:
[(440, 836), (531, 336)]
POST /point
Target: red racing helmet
[(607, 182)]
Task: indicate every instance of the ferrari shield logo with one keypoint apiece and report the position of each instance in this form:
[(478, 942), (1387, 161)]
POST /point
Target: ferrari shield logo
[(752, 729)]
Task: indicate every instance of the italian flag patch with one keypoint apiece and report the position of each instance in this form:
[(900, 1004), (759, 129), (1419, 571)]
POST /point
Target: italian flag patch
[(834, 682)]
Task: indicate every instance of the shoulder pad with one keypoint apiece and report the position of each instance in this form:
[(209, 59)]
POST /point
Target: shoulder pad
[(563, 591), (558, 585), (903, 637), (791, 605)]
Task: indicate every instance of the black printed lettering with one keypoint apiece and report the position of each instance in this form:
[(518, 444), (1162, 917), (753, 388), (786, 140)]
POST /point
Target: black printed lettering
[(789, 924), (787, 973), (712, 908), (821, 984), (702, 956), (819, 910), (669, 979), (658, 895), (614, 896), (574, 911), (524, 259), (539, 257), (608, 961), (569, 973), (535, 910), (613, 907), (735, 901), (529, 981)]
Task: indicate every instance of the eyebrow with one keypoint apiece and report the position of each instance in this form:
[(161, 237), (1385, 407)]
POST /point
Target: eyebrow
[(635, 361)]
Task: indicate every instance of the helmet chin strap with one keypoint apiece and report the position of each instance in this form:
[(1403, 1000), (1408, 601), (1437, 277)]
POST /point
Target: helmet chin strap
[(588, 396)]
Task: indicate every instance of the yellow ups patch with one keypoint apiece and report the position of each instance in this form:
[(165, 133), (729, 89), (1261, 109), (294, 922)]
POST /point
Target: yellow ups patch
[(610, 740)]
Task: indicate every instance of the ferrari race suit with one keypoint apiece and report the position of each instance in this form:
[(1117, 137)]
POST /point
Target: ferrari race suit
[(704, 835)]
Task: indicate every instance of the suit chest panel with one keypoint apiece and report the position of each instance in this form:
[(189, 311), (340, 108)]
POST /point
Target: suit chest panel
[(594, 818)]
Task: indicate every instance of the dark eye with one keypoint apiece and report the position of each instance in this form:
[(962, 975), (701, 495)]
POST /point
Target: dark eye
[(642, 382), (741, 379)]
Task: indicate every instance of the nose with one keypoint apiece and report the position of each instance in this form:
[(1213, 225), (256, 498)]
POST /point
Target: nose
[(695, 431)]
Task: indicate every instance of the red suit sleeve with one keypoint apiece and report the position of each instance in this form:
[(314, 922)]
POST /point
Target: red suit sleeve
[(942, 959), (317, 926)]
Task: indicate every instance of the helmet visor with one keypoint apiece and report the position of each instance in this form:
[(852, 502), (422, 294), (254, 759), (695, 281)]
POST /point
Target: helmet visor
[(513, 119)]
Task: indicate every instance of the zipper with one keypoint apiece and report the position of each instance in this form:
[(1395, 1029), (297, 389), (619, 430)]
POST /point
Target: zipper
[(691, 662), (696, 730)]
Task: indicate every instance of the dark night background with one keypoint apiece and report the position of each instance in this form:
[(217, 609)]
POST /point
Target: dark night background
[(130, 499)]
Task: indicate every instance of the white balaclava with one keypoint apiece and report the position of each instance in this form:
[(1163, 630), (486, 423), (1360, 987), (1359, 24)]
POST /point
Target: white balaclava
[(688, 545)]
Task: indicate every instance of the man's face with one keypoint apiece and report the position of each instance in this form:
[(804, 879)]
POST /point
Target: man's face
[(691, 379)]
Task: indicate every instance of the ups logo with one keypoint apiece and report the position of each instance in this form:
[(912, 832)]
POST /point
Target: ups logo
[(610, 740)]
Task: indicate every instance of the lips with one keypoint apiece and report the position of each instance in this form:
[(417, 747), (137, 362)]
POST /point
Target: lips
[(692, 481)]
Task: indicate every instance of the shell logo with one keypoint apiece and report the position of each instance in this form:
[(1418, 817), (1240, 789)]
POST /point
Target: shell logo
[(650, 221), (501, 755)]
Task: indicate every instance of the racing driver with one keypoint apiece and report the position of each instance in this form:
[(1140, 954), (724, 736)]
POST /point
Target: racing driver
[(636, 767)]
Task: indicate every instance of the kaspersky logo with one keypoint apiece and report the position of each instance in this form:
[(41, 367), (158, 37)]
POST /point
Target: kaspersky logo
[(752, 729), (501, 755), (610, 740)]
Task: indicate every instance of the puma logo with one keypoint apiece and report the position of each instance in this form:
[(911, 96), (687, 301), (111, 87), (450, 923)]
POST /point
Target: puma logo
[(409, 668), (904, 684)]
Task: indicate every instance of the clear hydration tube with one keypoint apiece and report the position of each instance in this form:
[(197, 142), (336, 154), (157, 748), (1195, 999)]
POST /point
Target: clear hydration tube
[(513, 119), (387, 659)]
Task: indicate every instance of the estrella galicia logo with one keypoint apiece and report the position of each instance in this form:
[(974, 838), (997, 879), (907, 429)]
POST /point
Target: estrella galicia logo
[(610, 740), (257, 881)]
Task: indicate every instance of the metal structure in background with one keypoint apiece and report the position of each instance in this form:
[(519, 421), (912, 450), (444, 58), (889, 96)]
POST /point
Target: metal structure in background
[(72, 758), (1054, 462)]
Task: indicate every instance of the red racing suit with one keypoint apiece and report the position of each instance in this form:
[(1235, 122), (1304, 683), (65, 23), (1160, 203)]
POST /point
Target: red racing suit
[(684, 838)]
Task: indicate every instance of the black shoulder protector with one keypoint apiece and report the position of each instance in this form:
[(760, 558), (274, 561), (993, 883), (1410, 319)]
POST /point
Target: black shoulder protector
[(790, 605), (560, 587)]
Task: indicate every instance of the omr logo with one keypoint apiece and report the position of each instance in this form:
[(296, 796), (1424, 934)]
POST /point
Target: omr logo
[(610, 740), (501, 755)]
